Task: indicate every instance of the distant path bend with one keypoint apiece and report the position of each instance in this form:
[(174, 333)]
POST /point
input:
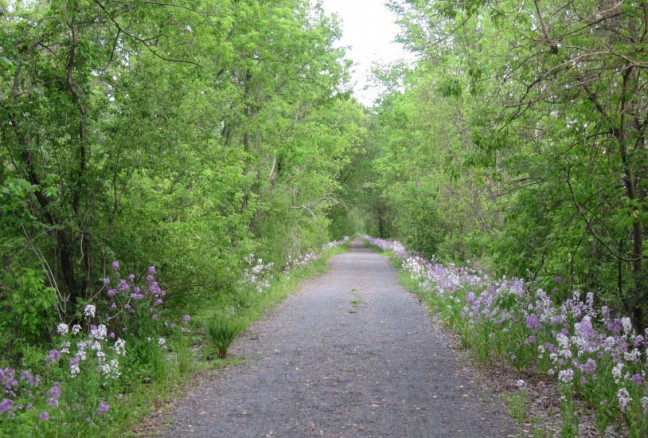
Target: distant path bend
[(351, 354)]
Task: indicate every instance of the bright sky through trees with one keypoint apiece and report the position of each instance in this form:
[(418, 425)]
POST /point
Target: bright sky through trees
[(369, 29)]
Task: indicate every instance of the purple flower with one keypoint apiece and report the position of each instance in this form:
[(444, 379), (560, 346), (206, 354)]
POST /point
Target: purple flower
[(115, 265), (55, 393), (637, 379), (154, 288), (8, 378), (532, 322), (53, 356), (111, 292), (123, 286), (155, 316), (557, 278), (186, 318), (158, 302), (615, 326), (151, 270), (106, 281), (136, 296), (530, 340), (131, 277), (31, 379), (589, 367), (551, 348), (103, 408), (5, 405), (44, 416)]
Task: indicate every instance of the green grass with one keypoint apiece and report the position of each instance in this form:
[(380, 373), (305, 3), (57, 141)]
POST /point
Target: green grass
[(516, 402), (223, 331)]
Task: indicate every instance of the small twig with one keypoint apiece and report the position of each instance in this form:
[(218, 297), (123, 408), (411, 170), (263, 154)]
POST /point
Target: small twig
[(579, 208), (140, 40), (308, 209), (48, 273)]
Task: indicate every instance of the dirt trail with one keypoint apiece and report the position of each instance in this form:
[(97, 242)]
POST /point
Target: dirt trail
[(350, 355)]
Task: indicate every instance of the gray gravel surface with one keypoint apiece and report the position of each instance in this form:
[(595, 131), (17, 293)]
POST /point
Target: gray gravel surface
[(351, 354)]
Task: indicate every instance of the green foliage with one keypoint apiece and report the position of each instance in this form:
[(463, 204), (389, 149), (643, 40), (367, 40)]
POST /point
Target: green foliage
[(186, 136), (32, 306), (222, 331), (521, 140)]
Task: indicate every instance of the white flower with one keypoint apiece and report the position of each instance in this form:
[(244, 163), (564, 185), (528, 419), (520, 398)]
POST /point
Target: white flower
[(65, 347), (76, 328), (162, 342), (627, 325), (120, 347), (566, 375), (99, 332), (632, 356), (114, 367), (110, 370), (624, 399), (81, 355), (617, 372), (89, 311), (62, 329), (609, 344), (644, 404)]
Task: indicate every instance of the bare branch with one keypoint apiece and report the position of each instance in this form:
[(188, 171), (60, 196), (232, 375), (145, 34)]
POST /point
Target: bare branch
[(142, 41)]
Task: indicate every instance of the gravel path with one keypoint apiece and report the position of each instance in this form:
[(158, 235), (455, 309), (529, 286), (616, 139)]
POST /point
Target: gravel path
[(350, 355)]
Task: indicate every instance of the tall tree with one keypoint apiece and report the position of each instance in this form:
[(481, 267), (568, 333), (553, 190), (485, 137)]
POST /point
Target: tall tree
[(561, 115)]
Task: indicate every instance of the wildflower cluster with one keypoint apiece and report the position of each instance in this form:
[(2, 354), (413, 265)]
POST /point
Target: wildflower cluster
[(300, 261), (94, 347), (91, 351), (20, 392), (335, 243), (308, 258), (389, 245), (257, 275), (587, 349), (134, 306)]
